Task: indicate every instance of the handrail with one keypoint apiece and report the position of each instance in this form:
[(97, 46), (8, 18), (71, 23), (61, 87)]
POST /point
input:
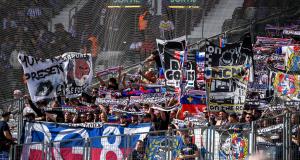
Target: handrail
[(245, 26), (71, 17)]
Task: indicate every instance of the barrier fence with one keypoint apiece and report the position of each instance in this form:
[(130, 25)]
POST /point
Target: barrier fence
[(211, 142), (277, 136)]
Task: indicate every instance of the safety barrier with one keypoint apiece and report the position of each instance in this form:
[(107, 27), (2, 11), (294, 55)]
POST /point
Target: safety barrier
[(277, 136), (210, 142)]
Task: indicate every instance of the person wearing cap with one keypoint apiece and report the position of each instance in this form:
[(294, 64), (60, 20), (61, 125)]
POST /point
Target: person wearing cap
[(6, 139)]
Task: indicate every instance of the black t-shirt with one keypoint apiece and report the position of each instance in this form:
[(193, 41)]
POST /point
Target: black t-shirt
[(137, 155), (5, 143), (189, 149), (3, 127)]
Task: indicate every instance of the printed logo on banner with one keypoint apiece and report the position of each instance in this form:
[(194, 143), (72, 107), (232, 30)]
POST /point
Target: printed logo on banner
[(69, 74), (173, 74), (224, 72), (159, 146), (190, 75), (292, 58), (287, 85), (214, 107), (78, 73), (235, 147)]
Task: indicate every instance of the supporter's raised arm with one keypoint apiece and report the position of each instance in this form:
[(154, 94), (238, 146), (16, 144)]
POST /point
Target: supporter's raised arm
[(40, 115), (149, 76), (124, 80), (102, 82), (150, 59), (119, 77)]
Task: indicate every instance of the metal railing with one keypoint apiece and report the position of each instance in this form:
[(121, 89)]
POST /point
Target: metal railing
[(277, 136), (212, 143)]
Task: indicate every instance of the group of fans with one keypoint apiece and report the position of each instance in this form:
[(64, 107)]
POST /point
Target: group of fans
[(88, 110)]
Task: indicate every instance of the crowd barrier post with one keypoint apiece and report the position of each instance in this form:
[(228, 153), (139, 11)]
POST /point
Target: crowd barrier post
[(43, 153), (86, 150), (210, 142), (285, 137), (167, 146), (252, 138), (128, 140), (11, 152), (213, 139), (289, 137), (20, 119)]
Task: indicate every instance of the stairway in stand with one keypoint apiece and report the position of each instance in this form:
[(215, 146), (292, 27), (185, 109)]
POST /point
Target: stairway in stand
[(212, 22)]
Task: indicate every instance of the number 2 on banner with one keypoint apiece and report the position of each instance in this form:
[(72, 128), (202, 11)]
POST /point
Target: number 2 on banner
[(108, 146)]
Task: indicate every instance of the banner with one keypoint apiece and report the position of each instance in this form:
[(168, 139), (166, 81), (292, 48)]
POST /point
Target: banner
[(267, 41), (200, 66), (261, 74), (190, 71), (69, 74), (225, 72), (292, 58), (171, 53), (236, 146), (229, 55), (227, 94), (108, 71), (159, 146), (228, 70), (142, 91), (193, 104), (291, 32), (110, 147), (287, 85)]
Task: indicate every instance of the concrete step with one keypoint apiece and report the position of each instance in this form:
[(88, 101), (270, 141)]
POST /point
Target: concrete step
[(214, 20), (63, 16)]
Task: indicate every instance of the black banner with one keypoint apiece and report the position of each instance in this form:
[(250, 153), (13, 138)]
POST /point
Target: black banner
[(172, 55)]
